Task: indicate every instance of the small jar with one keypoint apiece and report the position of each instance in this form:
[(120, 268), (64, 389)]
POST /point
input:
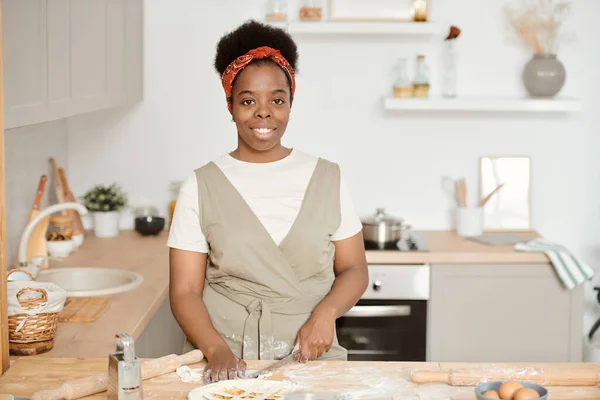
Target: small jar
[(311, 10), (421, 81), (60, 228), (276, 10), (420, 10)]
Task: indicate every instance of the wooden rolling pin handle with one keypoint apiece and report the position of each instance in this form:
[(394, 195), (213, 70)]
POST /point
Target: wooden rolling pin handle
[(89, 385), (430, 376)]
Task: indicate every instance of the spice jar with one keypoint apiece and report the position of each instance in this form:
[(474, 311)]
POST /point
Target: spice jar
[(402, 84), (175, 187), (311, 10), (421, 81), (420, 9), (276, 10)]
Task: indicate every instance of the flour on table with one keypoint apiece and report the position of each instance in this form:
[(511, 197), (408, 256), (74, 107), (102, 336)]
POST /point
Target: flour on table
[(243, 389), (187, 374)]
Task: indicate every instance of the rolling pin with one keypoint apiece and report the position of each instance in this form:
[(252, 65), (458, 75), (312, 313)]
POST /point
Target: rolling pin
[(93, 384), (541, 376)]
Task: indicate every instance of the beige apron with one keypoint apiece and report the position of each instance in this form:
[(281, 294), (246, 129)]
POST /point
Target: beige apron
[(259, 294)]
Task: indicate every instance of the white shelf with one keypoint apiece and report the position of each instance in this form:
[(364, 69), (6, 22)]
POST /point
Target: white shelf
[(483, 104), (362, 28)]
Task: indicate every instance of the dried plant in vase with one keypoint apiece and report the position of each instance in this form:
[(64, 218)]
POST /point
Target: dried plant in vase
[(538, 25)]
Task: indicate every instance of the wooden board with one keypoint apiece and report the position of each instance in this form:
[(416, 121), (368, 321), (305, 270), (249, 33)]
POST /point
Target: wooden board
[(4, 352), (360, 379), (83, 309)]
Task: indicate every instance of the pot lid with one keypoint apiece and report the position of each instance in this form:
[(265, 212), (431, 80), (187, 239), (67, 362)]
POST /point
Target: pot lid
[(381, 217)]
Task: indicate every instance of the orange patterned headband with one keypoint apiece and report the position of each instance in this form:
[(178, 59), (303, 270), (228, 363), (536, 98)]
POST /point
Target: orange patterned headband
[(242, 62)]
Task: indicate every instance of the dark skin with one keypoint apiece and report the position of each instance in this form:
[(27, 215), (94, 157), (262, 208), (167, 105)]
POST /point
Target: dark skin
[(261, 110)]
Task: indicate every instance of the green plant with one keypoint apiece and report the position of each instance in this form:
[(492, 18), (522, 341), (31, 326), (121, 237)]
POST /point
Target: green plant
[(105, 198), (597, 324)]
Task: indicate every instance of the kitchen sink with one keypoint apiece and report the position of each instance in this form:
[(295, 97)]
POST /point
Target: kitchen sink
[(90, 282)]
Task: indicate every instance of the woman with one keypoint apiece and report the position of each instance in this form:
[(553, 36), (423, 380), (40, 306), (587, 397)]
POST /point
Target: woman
[(276, 226)]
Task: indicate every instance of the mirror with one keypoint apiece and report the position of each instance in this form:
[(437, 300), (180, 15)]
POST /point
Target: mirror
[(510, 207)]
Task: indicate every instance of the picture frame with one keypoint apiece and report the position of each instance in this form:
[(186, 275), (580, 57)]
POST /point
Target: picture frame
[(509, 209), (371, 10)]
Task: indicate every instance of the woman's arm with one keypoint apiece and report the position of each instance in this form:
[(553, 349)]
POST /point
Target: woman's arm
[(352, 278), (187, 272)]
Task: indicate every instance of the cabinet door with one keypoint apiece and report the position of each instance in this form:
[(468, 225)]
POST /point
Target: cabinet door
[(85, 55), (24, 62), (503, 313)]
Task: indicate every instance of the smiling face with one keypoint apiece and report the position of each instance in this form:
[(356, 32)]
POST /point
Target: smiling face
[(261, 106)]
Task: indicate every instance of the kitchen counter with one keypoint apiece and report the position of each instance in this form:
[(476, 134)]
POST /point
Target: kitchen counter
[(375, 380), (127, 312), (446, 247), (131, 312)]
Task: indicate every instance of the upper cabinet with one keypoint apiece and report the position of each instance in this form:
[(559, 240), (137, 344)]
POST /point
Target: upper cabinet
[(68, 57)]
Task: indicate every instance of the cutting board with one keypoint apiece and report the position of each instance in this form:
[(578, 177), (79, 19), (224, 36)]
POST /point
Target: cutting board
[(83, 309)]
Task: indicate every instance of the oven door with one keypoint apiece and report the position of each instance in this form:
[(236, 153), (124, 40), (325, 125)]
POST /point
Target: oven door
[(384, 330)]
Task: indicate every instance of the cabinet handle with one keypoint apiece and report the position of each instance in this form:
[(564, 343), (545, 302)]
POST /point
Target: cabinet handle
[(378, 311)]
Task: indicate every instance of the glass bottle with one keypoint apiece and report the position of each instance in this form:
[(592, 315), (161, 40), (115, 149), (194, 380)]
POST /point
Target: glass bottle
[(276, 10), (175, 187), (421, 81), (311, 10), (420, 9), (450, 73), (60, 228), (402, 84)]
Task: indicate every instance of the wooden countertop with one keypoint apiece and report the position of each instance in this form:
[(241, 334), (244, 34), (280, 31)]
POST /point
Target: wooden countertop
[(374, 380), (130, 312), (446, 247)]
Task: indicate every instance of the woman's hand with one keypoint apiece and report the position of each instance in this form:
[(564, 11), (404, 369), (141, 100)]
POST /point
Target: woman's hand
[(223, 365), (316, 335)]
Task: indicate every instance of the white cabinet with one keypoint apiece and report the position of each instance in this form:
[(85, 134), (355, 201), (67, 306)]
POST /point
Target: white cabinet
[(503, 313), (69, 57), (162, 335)]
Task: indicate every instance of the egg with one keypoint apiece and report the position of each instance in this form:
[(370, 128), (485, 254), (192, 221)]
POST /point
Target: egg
[(525, 394), (491, 394), (508, 389)]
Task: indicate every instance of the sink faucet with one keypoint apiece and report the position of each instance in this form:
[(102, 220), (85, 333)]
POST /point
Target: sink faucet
[(22, 256)]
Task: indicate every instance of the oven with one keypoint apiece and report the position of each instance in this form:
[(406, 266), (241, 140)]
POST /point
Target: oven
[(389, 323)]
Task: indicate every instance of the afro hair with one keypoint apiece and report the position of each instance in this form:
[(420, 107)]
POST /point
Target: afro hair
[(251, 35)]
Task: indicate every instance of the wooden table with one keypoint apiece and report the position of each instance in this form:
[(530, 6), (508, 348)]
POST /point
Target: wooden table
[(360, 380)]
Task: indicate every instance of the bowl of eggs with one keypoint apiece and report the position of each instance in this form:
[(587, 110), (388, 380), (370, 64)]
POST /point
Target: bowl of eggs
[(510, 390)]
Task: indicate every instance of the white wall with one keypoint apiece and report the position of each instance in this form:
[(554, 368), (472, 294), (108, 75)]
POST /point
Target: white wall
[(390, 160), (27, 152)]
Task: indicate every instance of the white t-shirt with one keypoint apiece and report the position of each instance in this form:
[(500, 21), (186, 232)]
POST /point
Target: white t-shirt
[(274, 191)]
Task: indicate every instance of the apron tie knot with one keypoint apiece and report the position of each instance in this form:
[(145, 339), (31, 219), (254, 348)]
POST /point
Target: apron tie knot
[(258, 330)]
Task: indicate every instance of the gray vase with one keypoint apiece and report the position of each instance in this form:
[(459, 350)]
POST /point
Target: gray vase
[(544, 75)]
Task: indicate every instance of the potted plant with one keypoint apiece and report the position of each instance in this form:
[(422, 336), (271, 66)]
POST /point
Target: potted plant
[(538, 24), (105, 204), (592, 346)]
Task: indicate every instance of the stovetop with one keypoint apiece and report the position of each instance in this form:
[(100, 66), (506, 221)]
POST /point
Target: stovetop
[(411, 241)]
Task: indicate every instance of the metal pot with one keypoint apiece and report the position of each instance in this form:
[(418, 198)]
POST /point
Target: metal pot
[(381, 229)]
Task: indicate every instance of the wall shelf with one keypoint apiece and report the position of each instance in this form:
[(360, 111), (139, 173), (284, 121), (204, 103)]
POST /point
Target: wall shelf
[(483, 104), (362, 28)]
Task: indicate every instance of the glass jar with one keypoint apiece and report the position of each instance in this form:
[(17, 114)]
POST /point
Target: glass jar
[(402, 84), (276, 10), (311, 10), (60, 228), (421, 81), (420, 10), (175, 188)]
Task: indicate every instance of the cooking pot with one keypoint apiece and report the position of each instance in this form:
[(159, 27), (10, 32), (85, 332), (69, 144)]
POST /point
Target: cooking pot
[(382, 229)]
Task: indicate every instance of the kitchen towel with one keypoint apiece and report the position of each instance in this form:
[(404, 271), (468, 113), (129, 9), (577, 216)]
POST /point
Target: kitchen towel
[(571, 271)]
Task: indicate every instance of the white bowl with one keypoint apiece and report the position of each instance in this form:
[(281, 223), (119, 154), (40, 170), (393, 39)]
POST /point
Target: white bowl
[(59, 248)]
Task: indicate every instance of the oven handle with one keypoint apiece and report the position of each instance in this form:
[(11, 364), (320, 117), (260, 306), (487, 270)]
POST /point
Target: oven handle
[(378, 311)]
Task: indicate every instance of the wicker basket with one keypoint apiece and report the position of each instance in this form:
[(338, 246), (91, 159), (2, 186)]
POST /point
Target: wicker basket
[(36, 328)]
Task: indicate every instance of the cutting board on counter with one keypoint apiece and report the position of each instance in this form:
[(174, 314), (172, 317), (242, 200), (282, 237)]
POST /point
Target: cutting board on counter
[(83, 309)]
